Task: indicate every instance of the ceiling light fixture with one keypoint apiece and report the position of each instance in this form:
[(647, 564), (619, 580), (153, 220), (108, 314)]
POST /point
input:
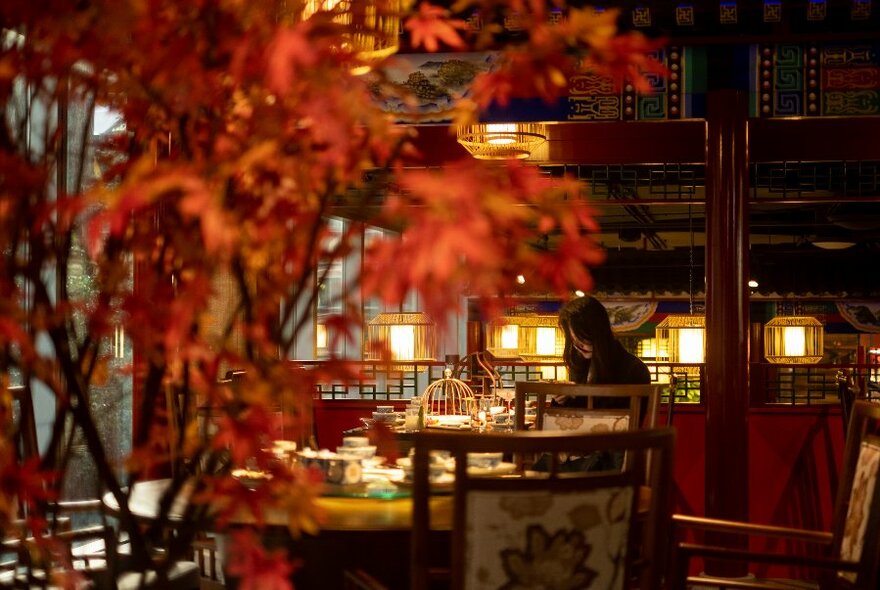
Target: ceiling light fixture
[(502, 141), (833, 245), (793, 340), (371, 27), (408, 336), (682, 338)]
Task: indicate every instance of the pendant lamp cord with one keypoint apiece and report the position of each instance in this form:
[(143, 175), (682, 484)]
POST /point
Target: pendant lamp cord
[(691, 263)]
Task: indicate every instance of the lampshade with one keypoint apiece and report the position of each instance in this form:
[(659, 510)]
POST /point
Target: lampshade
[(372, 27), (502, 337), (502, 141), (793, 340), (410, 336), (321, 340), (649, 348), (681, 339), (540, 337)]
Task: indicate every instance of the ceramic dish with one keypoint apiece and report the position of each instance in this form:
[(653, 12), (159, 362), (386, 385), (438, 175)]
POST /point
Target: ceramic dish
[(251, 478), (500, 469), (443, 482), (448, 419), (450, 426)]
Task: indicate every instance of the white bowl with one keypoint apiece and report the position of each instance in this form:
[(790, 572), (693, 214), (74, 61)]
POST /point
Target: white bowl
[(355, 441), (435, 468), (364, 452), (485, 460)]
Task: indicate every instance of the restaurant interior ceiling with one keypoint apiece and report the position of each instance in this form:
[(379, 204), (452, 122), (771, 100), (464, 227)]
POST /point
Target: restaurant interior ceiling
[(814, 186), (813, 228)]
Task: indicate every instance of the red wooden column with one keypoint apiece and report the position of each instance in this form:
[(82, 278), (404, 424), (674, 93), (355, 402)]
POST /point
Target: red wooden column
[(727, 322)]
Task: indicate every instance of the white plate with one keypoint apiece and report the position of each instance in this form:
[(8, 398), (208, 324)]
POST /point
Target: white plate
[(382, 475), (500, 469), (449, 419), (443, 481), (450, 426)]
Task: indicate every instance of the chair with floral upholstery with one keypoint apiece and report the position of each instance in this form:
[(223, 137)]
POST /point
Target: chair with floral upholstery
[(564, 530), (605, 407), (846, 557)]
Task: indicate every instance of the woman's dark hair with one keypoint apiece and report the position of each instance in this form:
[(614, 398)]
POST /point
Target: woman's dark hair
[(587, 319)]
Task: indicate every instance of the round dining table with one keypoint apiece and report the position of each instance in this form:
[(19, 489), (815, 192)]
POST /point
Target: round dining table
[(357, 531), (343, 510)]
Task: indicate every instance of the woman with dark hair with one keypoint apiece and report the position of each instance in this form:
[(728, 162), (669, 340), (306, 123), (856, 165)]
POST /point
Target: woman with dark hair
[(592, 354)]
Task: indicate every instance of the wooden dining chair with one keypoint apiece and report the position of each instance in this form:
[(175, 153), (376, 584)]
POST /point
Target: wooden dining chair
[(847, 557), (78, 535), (528, 526), (605, 407)]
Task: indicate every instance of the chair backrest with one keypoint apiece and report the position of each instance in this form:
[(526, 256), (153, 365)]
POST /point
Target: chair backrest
[(857, 510), (607, 407), (507, 529), (19, 421)]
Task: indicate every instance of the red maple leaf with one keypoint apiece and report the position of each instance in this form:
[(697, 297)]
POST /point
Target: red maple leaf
[(25, 481), (430, 26), (257, 568), (627, 57)]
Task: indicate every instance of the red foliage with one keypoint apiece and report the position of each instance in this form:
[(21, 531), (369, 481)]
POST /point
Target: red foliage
[(258, 568), (244, 131), (430, 27)]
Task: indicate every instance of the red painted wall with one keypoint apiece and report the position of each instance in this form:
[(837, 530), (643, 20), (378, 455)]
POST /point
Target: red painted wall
[(794, 462), (690, 458)]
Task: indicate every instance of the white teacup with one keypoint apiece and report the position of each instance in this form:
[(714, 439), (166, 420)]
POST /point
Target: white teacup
[(355, 441), (361, 452)]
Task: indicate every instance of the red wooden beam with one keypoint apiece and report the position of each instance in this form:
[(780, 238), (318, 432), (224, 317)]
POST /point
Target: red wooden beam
[(807, 139)]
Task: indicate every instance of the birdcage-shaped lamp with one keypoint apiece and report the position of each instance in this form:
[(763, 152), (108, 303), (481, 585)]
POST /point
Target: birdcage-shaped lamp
[(449, 397), (370, 29), (502, 141), (797, 340), (502, 337), (540, 338), (408, 336), (681, 339)]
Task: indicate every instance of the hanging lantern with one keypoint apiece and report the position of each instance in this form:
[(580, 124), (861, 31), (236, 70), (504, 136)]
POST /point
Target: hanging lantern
[(502, 141), (371, 27), (794, 340), (540, 338), (502, 337), (410, 336), (682, 339)]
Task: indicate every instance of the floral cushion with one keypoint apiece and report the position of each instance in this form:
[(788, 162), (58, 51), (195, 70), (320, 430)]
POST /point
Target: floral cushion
[(559, 541), (860, 505), (585, 420)]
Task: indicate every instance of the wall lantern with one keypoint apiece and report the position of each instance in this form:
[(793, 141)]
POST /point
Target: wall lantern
[(502, 141), (794, 340), (410, 336), (682, 339)]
